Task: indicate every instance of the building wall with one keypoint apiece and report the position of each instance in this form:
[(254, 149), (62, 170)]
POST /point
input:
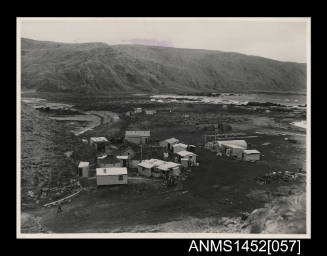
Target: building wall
[(85, 171), (176, 171), (136, 140), (144, 171), (156, 173), (178, 149), (238, 152), (170, 145), (194, 158), (145, 140), (133, 163), (111, 180), (251, 157), (104, 165), (163, 143), (184, 162)]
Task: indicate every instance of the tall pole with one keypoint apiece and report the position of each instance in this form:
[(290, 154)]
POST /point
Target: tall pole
[(141, 152)]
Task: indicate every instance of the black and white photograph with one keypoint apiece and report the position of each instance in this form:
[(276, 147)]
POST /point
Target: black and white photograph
[(151, 127)]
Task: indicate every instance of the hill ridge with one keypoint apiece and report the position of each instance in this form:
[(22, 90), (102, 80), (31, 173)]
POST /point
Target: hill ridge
[(103, 68)]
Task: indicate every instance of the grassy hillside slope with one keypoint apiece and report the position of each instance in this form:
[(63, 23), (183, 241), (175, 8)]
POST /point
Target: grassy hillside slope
[(44, 164), (98, 67)]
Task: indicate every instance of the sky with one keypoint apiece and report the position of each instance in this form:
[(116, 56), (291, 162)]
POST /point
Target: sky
[(281, 39)]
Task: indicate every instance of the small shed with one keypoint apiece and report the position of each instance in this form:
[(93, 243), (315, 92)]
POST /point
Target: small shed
[(99, 143), (137, 137), (191, 148), (169, 143), (147, 167), (123, 160), (233, 151), (85, 141), (251, 155), (185, 162), (150, 112), (111, 176), (232, 148), (179, 147), (137, 110), (128, 113), (170, 168), (84, 169), (186, 154)]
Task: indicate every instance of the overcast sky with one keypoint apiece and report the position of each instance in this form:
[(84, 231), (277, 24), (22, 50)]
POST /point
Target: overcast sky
[(272, 38)]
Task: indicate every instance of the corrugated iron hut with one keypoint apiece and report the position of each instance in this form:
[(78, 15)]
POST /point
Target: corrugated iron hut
[(111, 176), (84, 169), (251, 155), (179, 147), (137, 137)]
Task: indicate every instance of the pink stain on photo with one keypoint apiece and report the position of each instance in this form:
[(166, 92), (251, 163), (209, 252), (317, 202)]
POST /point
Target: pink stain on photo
[(149, 41)]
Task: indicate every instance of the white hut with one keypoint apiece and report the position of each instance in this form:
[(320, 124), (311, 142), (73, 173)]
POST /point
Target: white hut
[(84, 169), (111, 176), (150, 112), (232, 148), (240, 143), (188, 155), (169, 143), (99, 143), (147, 167), (251, 155), (123, 160), (179, 147), (185, 162), (137, 110), (137, 137), (170, 168)]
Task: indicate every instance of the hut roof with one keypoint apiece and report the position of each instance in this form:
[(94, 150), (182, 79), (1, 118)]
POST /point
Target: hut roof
[(111, 171), (185, 153), (83, 164), (137, 133), (251, 151)]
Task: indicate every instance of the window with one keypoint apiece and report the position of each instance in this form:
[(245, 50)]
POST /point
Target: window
[(120, 177)]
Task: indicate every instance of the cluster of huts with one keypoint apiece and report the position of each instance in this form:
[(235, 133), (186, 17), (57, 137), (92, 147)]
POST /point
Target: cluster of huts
[(184, 156), (111, 170), (237, 149), (113, 161), (140, 111), (158, 168), (183, 153)]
